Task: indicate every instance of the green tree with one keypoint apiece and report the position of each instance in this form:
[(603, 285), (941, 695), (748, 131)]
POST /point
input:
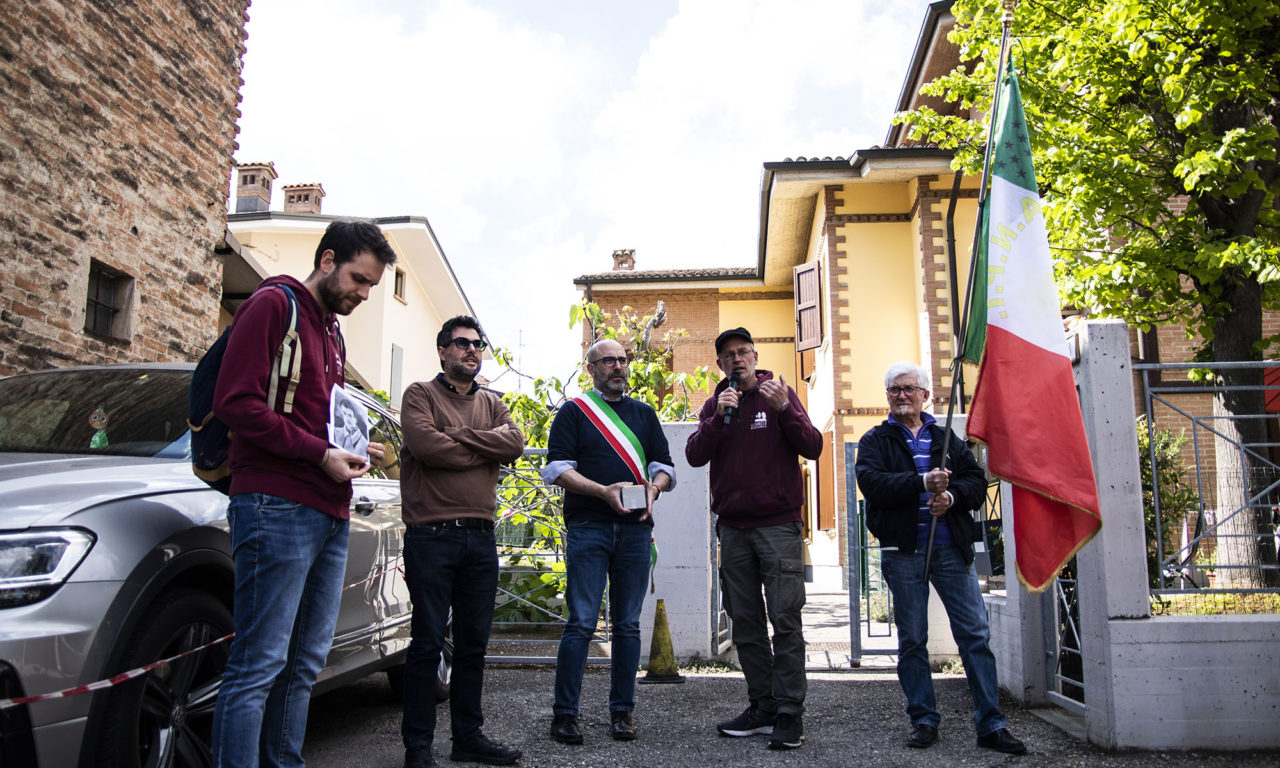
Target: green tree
[(1154, 128), (1177, 497)]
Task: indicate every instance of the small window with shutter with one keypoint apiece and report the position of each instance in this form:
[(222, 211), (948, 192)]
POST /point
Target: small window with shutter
[(808, 306)]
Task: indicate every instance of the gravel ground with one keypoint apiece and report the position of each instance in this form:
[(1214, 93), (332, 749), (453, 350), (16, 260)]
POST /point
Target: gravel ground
[(854, 718)]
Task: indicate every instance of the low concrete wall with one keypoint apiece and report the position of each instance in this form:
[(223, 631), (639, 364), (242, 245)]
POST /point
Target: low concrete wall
[(1194, 682)]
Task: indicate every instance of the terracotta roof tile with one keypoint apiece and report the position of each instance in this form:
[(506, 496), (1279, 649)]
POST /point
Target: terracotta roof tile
[(625, 276)]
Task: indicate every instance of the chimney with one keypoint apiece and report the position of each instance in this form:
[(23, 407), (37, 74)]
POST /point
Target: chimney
[(253, 187), (624, 260), (302, 198)]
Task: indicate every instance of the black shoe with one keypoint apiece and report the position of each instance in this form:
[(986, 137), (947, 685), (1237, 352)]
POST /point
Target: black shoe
[(419, 757), (1002, 741), (623, 728), (751, 722), (481, 749), (788, 732), (564, 729), (922, 736)]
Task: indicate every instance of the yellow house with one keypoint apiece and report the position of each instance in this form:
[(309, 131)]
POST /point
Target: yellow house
[(391, 337), (853, 272)]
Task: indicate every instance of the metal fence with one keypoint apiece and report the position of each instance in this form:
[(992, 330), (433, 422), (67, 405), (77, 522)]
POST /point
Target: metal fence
[(529, 614), (1215, 493)]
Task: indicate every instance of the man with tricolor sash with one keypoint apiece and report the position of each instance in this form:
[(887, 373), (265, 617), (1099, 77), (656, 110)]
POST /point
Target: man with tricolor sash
[(753, 431), (607, 451)]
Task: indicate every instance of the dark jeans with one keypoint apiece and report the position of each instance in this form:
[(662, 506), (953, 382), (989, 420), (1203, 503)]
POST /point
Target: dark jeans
[(957, 586), (595, 551), (445, 568), (762, 570)]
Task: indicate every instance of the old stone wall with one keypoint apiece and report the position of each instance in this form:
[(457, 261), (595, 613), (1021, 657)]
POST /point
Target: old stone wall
[(117, 128)]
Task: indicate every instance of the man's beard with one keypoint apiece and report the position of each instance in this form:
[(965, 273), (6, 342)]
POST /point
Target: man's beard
[(329, 298), (613, 386), (458, 371)]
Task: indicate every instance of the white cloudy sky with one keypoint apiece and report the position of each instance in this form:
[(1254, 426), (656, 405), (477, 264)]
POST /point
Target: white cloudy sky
[(539, 135)]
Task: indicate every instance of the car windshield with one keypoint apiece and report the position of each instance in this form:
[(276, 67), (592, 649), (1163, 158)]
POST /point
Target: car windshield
[(105, 411)]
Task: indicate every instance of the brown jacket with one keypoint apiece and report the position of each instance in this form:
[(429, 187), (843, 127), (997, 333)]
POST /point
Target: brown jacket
[(453, 444)]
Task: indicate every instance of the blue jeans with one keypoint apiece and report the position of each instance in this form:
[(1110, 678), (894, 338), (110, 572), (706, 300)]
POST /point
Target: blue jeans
[(594, 551), (447, 567), (289, 565), (957, 586), (762, 577)]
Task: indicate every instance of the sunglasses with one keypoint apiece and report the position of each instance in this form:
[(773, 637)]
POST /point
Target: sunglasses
[(465, 344)]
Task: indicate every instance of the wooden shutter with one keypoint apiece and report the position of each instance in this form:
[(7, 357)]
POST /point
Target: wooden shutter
[(808, 309), (827, 483)]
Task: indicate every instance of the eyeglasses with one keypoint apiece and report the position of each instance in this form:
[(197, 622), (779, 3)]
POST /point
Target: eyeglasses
[(908, 391), (730, 354), (610, 361), (465, 344)]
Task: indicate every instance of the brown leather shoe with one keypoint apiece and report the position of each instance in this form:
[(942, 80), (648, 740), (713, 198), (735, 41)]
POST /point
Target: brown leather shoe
[(622, 727)]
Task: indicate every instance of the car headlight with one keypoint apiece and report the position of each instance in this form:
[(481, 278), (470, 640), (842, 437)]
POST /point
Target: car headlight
[(34, 564)]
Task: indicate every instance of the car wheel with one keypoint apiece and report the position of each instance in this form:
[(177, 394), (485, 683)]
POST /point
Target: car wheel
[(165, 717), (444, 672)]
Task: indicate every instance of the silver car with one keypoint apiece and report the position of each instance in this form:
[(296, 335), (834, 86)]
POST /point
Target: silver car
[(113, 556)]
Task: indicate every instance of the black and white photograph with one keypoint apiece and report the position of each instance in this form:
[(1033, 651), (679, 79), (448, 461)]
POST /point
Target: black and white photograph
[(348, 423)]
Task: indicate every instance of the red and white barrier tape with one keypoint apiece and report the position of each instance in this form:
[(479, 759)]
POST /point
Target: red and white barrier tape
[(115, 680), (110, 681)]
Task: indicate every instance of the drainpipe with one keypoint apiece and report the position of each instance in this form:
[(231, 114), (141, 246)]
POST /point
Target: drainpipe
[(958, 373)]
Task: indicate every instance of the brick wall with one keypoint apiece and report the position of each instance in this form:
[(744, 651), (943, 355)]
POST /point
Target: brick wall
[(117, 127), (695, 310)]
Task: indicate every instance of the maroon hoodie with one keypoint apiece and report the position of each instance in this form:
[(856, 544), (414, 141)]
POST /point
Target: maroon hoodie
[(273, 452), (755, 469)]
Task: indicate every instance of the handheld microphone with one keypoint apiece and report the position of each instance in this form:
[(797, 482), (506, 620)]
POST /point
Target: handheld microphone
[(733, 384)]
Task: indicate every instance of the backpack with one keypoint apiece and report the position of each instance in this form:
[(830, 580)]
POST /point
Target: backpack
[(210, 438)]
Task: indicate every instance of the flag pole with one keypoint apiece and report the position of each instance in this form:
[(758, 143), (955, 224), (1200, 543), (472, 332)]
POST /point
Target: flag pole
[(958, 335)]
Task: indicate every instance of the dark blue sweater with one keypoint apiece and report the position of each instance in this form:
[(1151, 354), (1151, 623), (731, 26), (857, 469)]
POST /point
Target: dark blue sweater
[(574, 438)]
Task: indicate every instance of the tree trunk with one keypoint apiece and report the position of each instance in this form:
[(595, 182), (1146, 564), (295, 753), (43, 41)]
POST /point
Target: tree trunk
[(1240, 475)]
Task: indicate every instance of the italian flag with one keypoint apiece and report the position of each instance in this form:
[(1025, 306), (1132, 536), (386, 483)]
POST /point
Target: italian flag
[(1024, 405)]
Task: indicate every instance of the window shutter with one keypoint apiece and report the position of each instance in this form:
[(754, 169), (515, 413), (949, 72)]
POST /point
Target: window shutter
[(827, 483), (808, 309)]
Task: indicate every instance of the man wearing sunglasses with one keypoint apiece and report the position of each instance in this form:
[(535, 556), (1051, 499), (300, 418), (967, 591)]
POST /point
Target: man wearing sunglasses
[(455, 436), (898, 473), (753, 430)]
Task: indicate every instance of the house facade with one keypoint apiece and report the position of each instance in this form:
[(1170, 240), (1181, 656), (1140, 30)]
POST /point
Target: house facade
[(391, 338)]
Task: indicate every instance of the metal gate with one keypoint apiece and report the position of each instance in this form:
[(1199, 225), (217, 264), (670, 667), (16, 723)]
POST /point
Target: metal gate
[(1064, 667), (873, 634), (530, 613), (871, 631)]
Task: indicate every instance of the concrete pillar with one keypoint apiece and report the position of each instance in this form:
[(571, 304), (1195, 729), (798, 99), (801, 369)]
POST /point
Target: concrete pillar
[(683, 531), (1113, 567), (1017, 631)]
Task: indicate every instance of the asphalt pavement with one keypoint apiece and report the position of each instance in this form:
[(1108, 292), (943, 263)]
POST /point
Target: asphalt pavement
[(854, 717)]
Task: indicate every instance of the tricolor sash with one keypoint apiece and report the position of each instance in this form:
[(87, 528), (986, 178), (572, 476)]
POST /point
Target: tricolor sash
[(617, 434)]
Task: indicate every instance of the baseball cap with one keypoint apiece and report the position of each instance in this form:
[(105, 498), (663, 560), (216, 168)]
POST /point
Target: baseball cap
[(726, 335)]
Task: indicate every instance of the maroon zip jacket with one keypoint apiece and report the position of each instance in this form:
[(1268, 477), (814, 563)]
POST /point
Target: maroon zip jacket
[(273, 452), (755, 469)]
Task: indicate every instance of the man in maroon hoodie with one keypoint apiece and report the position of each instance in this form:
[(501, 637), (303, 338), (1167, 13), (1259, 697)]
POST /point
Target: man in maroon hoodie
[(753, 430), (290, 493)]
